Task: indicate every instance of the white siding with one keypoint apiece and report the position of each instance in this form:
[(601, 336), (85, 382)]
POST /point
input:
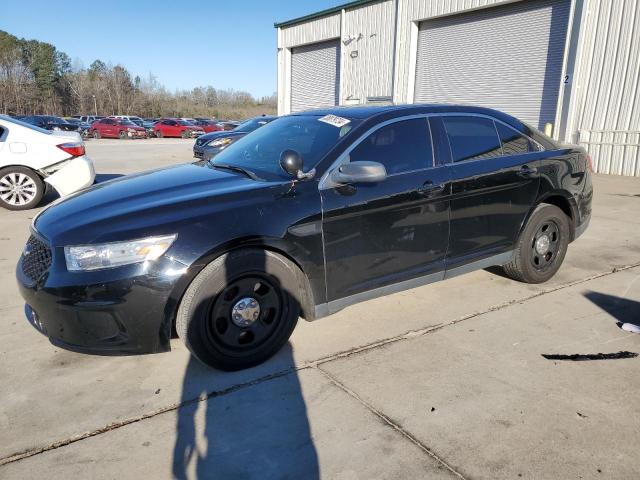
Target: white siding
[(371, 29), (605, 104), (313, 31)]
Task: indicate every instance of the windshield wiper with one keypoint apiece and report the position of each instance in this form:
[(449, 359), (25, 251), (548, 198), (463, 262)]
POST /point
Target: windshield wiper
[(235, 168)]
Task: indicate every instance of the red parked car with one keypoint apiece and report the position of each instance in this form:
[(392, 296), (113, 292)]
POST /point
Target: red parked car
[(116, 128), (208, 125), (175, 127)]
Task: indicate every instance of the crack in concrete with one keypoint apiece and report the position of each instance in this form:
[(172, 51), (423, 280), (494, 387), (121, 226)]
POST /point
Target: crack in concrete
[(390, 422), (15, 457)]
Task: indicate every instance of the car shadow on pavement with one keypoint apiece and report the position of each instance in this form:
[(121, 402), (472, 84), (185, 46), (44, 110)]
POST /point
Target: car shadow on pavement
[(259, 431), (622, 309), (257, 428)]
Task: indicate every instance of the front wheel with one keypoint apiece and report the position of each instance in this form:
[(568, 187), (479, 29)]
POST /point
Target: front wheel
[(541, 247), (240, 310), (20, 188), (96, 134)]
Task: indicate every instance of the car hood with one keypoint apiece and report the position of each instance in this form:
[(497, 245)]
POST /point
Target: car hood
[(142, 205), (219, 134)]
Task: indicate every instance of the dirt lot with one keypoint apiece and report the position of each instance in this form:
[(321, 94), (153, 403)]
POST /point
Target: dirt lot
[(443, 381)]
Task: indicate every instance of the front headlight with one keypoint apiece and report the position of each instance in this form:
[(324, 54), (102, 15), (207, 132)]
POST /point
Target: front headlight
[(219, 142), (108, 255)]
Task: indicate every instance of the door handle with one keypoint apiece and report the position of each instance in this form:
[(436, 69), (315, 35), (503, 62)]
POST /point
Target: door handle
[(527, 171), (430, 188)]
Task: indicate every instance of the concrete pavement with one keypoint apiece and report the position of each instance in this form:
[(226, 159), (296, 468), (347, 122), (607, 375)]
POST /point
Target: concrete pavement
[(352, 396)]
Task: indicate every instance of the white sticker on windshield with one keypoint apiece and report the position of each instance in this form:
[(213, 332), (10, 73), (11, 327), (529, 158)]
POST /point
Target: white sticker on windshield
[(334, 120)]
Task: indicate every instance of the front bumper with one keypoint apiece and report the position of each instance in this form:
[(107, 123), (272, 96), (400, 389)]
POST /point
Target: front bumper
[(125, 310), (75, 175)]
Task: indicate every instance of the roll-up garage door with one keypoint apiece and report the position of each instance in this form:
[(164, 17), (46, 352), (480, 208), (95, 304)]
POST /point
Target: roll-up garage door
[(315, 75), (507, 57)]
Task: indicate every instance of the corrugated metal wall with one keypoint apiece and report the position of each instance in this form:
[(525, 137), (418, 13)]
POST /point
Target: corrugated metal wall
[(605, 105), (367, 64), (313, 31)]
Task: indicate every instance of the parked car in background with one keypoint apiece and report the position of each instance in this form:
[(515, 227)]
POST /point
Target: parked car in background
[(307, 215), (147, 124), (176, 127), (91, 118), (49, 122), (208, 125), (83, 127), (116, 128), (133, 119), (31, 157), (228, 125), (209, 145)]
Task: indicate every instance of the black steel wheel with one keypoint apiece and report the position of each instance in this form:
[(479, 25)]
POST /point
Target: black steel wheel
[(245, 314), (240, 309), (541, 248), (545, 245)]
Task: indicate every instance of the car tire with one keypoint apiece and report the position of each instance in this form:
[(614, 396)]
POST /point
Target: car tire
[(541, 247), (122, 135), (185, 135), (33, 188), (208, 319), (159, 133), (96, 134)]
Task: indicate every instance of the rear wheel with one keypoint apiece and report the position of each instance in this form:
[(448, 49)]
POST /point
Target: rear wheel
[(159, 133), (542, 246), (240, 310), (20, 188)]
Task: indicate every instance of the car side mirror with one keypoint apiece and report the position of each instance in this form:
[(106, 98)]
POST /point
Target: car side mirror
[(359, 172), (291, 162)]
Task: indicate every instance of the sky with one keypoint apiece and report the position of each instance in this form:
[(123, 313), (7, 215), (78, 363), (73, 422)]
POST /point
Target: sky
[(225, 44)]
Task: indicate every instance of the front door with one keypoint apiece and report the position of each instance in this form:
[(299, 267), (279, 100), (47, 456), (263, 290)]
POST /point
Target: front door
[(379, 234), (494, 186)]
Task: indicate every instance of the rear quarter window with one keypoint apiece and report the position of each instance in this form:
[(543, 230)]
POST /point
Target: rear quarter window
[(472, 138), (513, 142)]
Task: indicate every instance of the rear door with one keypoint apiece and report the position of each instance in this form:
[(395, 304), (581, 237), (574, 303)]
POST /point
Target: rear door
[(379, 234), (495, 183)]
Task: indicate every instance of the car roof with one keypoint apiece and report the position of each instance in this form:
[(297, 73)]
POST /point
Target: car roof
[(366, 112)]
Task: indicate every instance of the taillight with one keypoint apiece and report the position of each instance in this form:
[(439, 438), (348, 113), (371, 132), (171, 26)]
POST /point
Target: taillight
[(589, 163), (74, 149)]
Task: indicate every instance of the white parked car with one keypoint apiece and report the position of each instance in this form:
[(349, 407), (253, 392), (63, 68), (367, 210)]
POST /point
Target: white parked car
[(31, 156)]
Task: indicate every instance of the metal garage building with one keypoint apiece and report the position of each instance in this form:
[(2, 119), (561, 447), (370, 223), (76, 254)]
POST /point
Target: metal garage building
[(571, 67)]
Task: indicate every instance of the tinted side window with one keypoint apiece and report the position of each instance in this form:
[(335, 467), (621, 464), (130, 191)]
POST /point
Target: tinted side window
[(514, 143), (472, 138), (2, 130), (401, 146)]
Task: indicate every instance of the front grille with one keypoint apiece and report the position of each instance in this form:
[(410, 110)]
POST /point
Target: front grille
[(36, 258)]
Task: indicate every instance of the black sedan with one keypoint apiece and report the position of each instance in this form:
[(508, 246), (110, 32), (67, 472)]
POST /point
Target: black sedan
[(307, 215), (209, 145), (49, 122)]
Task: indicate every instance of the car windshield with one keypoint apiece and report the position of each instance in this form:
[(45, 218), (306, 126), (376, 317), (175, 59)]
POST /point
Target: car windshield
[(251, 125), (260, 152), (25, 124)]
